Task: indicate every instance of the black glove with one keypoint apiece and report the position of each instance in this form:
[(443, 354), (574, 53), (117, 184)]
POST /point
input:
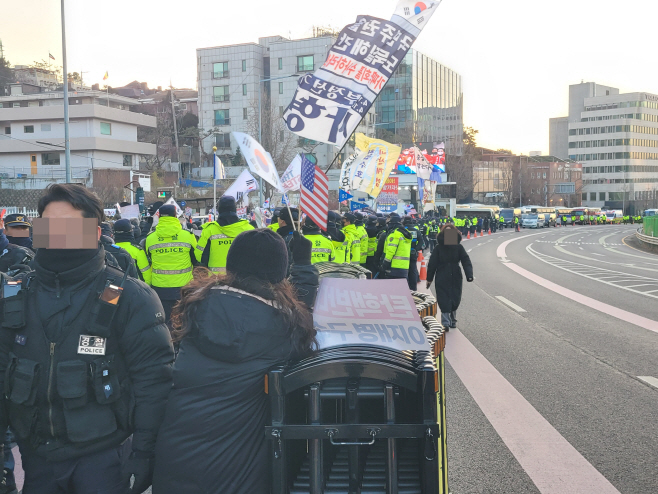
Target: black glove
[(17, 269), (301, 248), (140, 465)]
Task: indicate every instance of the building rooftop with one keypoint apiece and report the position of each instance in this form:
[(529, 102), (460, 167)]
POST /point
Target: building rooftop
[(72, 94)]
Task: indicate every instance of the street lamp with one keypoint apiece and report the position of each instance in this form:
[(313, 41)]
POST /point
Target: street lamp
[(260, 127)]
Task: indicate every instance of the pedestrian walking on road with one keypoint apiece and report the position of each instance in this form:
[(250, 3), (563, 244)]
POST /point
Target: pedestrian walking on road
[(444, 268), (232, 330)]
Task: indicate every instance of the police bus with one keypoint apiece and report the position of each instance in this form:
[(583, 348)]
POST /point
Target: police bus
[(560, 212), (549, 214), (651, 212)]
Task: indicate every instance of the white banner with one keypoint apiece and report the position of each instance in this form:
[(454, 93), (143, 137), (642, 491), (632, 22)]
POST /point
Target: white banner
[(292, 177), (344, 181), (243, 184), (363, 169), (218, 168), (131, 211), (259, 160), (423, 167)]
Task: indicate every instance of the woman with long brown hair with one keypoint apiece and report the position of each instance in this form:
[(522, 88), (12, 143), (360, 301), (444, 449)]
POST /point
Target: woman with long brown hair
[(232, 330), (444, 266)]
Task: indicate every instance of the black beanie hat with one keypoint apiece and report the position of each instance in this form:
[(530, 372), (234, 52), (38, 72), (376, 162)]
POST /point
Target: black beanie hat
[(285, 216), (372, 220), (168, 210), (308, 222), (226, 205), (123, 226), (106, 229), (261, 253)]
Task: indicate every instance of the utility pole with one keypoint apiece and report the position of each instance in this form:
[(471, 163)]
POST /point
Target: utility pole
[(67, 141), (173, 116)]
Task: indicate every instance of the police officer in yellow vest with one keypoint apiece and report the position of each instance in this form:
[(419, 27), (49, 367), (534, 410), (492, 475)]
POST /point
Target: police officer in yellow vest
[(217, 237), (354, 238), (322, 249), (274, 224), (397, 249), (338, 238), (171, 251), (372, 230), (124, 237), (363, 239)]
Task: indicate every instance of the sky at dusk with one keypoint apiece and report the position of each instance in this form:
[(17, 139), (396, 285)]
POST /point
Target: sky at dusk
[(516, 57)]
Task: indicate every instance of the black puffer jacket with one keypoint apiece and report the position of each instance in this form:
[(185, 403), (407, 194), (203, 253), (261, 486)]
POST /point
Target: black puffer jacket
[(212, 439), (14, 254), (444, 266), (57, 399)]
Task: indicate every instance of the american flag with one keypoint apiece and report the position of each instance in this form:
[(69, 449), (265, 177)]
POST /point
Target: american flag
[(314, 193)]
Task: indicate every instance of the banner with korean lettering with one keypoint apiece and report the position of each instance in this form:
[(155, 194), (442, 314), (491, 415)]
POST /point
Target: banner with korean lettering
[(366, 312), (329, 104), (387, 201), (344, 182), (385, 162)]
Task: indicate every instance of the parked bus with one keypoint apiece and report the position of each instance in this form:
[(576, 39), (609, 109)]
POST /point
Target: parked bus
[(560, 212), (651, 212), (548, 212)]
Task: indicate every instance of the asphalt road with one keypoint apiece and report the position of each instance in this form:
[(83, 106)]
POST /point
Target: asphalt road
[(568, 400)]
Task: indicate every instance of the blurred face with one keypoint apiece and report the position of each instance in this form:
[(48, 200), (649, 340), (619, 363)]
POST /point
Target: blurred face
[(61, 226), (17, 231)]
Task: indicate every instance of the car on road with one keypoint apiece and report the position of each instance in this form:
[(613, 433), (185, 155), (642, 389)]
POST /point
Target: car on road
[(531, 220)]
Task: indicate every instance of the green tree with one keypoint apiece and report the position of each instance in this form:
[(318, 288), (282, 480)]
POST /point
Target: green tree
[(238, 159)]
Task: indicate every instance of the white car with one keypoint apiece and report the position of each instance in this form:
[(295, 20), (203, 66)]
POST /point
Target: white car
[(533, 220)]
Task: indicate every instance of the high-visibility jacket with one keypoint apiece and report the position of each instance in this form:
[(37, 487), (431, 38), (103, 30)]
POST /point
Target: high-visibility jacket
[(372, 246), (516, 220), (398, 252), (274, 227), (354, 244), (220, 239), (322, 248), (142, 262), (573, 219), (475, 222), (502, 220), (169, 248), (341, 250), (363, 243)]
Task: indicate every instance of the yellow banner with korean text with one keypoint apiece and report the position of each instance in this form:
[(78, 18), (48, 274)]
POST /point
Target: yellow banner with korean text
[(387, 156)]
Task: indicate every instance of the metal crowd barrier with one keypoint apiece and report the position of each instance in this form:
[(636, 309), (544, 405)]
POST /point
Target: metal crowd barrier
[(362, 419)]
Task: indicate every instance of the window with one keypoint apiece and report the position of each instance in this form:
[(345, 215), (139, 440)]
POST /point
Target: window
[(281, 88), (244, 114), (601, 196), (222, 117), (220, 70), (127, 160), (592, 196), (7, 130), (106, 128), (182, 106), (45, 127), (544, 174), (50, 158), (244, 90), (28, 129), (584, 196), (280, 63), (244, 66), (305, 63), (17, 105), (223, 141), (220, 93)]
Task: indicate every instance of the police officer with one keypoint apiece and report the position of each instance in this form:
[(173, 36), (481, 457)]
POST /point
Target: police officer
[(217, 237), (125, 238), (274, 224), (13, 257), (116, 256), (363, 237), (372, 230), (412, 274), (338, 238), (85, 362), (397, 250), (433, 231), (322, 249), (17, 230), (501, 222), (516, 222), (171, 252), (354, 238)]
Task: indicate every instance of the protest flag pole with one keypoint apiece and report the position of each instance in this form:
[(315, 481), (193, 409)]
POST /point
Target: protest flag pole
[(214, 183)]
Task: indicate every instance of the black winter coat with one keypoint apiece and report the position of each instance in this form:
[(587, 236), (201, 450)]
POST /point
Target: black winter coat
[(212, 439), (444, 266), (14, 254), (56, 399)]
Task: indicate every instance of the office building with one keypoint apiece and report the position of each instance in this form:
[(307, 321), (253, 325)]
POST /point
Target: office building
[(615, 136), (422, 103), (103, 135)]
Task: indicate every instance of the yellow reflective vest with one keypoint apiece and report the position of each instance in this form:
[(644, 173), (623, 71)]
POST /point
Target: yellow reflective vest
[(274, 227), (354, 244), (168, 247), (322, 249), (220, 239), (363, 243), (340, 250), (398, 251), (142, 262)]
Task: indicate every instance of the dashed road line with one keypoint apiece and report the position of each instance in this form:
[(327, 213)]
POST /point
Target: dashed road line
[(652, 381), (510, 303)]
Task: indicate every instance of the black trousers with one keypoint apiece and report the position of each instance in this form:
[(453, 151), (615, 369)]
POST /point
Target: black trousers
[(98, 473)]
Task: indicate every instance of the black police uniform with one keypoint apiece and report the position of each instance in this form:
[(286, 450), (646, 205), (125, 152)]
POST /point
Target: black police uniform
[(80, 376), (12, 255)]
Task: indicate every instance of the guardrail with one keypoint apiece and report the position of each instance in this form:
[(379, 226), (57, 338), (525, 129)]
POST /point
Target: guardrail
[(646, 238)]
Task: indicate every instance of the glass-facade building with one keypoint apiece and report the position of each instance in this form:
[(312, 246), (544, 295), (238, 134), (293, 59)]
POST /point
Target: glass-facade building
[(422, 103)]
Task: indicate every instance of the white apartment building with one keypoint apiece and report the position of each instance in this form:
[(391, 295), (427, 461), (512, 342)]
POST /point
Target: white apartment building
[(615, 136), (103, 135), (229, 79)]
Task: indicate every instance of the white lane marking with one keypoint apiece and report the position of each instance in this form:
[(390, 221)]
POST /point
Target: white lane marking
[(551, 462), (509, 303), (469, 250), (597, 254), (649, 380)]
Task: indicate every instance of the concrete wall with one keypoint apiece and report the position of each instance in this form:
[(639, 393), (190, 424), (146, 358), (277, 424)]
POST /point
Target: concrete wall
[(558, 132)]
